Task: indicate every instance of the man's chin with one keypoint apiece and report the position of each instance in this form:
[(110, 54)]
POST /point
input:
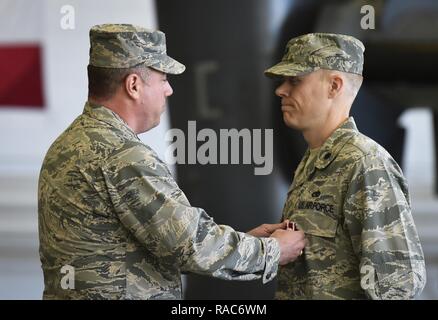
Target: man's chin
[(289, 122), (154, 125), (149, 126)]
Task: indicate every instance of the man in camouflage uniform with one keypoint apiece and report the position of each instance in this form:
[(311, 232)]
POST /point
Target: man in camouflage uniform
[(348, 194), (111, 217)]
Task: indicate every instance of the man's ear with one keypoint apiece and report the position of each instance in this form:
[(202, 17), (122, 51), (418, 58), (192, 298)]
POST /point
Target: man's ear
[(336, 83), (133, 86)]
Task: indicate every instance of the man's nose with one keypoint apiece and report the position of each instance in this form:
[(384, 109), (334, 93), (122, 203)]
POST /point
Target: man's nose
[(169, 90), (282, 90)]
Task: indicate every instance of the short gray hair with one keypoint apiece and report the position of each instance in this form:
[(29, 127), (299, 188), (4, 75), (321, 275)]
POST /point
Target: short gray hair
[(104, 82), (354, 83)]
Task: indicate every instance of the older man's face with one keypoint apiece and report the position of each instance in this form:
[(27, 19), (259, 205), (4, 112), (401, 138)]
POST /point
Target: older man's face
[(154, 93), (304, 101)]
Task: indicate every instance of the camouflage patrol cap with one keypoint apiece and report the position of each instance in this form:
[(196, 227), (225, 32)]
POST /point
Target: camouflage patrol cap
[(126, 46), (313, 51)]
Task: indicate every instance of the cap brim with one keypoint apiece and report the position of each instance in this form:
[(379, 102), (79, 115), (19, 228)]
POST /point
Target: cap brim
[(167, 64), (288, 69)]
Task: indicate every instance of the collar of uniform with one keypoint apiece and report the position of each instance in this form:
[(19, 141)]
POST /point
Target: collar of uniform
[(335, 142), (300, 176), (303, 162), (102, 113)]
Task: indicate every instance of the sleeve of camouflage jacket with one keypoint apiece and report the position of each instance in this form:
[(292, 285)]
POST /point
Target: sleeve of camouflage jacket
[(150, 204), (378, 215)]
